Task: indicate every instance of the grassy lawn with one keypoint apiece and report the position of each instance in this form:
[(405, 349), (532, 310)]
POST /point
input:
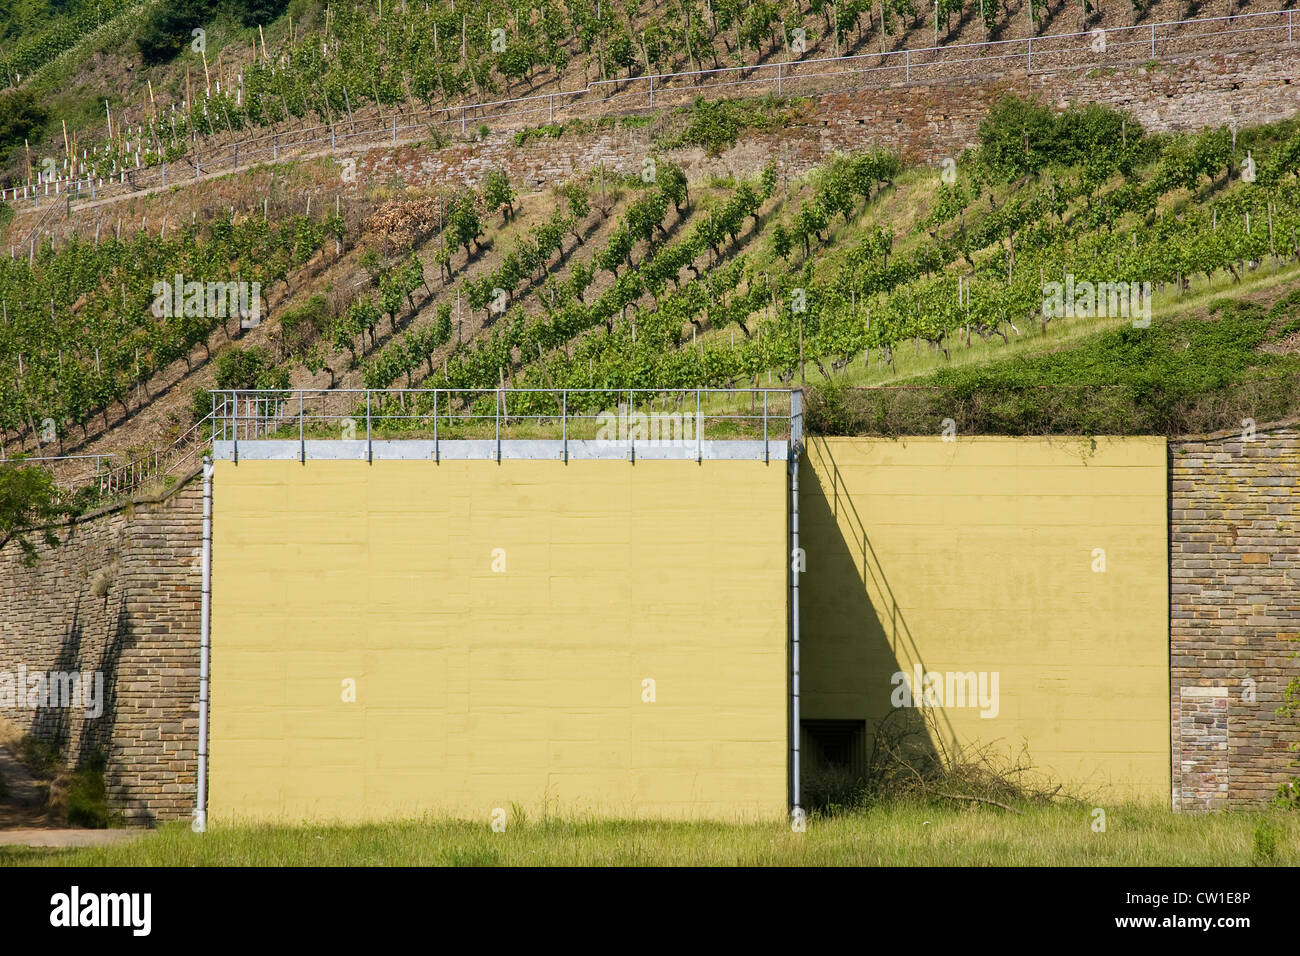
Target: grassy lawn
[(899, 835)]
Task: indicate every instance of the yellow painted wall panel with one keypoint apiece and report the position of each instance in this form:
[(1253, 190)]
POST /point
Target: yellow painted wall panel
[(478, 689), (977, 555)]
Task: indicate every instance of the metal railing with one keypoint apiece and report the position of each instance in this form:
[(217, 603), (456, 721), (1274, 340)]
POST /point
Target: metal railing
[(1036, 54), (58, 465), (108, 482), (689, 417), (32, 459), (28, 241), (156, 465)]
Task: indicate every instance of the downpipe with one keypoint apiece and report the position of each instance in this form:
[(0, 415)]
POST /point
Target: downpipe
[(200, 824), (796, 563)]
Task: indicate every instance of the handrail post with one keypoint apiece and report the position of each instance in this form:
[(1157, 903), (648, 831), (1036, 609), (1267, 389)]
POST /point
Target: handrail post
[(302, 441), (1153, 40), (235, 429), (765, 457), (796, 420), (369, 450), (435, 426), (699, 428), (500, 399)]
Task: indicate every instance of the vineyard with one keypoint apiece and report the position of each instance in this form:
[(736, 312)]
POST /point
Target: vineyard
[(818, 275), (49, 30), (302, 301), (348, 66), (81, 336), (852, 274)]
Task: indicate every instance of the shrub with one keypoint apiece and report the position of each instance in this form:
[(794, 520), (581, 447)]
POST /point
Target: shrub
[(239, 368), (1288, 793), (86, 799), (166, 29), (1265, 843), (248, 368), (21, 116), (301, 326), (254, 12), (39, 756), (28, 497), (1018, 137)]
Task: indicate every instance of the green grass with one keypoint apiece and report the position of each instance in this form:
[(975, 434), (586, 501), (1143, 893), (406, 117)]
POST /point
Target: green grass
[(86, 801), (907, 834), (1182, 375), (915, 365)]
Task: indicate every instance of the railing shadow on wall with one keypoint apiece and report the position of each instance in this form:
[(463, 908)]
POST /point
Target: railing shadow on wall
[(53, 725), (97, 736), (848, 575)]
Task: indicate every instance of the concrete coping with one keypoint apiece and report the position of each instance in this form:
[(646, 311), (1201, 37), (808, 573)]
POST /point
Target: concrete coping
[(488, 449)]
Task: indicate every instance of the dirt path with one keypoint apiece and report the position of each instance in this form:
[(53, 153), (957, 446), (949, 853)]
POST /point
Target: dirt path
[(26, 821), (49, 837), (23, 803)]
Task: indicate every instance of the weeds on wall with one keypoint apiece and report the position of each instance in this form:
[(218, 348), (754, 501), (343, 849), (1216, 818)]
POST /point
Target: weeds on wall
[(81, 796), (716, 125), (1288, 793)]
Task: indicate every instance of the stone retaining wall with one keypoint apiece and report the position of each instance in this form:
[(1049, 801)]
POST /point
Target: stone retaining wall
[(119, 597), (1234, 510), (924, 122)]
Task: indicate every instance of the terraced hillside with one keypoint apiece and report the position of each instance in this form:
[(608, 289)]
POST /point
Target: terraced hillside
[(863, 272), (105, 91)]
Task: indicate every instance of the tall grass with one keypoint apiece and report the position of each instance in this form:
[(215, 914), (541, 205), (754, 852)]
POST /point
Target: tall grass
[(910, 833)]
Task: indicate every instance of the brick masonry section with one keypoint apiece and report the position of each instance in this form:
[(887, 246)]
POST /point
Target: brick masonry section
[(1235, 614), (1202, 734), (120, 596)]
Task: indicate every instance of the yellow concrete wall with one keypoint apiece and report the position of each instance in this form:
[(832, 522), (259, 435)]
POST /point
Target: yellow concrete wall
[(977, 555), (479, 689)]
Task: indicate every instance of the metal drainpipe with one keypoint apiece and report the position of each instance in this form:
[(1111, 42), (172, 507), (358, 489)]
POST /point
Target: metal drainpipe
[(795, 449), (205, 634)]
